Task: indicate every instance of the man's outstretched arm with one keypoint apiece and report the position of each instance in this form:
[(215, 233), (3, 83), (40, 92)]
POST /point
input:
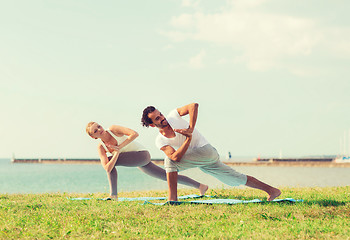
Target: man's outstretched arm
[(192, 111)]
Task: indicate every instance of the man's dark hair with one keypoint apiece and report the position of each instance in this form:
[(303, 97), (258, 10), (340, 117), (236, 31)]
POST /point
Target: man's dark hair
[(145, 120)]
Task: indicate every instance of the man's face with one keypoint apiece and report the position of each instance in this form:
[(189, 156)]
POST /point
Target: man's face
[(158, 119)]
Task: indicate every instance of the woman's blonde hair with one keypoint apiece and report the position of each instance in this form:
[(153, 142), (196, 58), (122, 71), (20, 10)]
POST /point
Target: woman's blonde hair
[(88, 126)]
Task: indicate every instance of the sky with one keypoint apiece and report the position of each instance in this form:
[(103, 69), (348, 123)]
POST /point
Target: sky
[(271, 77)]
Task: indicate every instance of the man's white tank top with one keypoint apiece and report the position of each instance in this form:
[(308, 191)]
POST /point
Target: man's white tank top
[(131, 147)]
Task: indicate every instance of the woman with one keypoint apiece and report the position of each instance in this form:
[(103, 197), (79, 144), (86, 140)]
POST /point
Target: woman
[(119, 141)]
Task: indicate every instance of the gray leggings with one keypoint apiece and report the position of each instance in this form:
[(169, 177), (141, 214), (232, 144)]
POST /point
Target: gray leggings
[(142, 160)]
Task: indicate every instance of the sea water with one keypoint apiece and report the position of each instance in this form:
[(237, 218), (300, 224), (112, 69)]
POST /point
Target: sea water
[(91, 178)]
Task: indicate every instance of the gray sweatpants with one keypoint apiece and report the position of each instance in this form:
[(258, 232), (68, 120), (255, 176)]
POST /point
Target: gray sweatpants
[(142, 160), (207, 159)]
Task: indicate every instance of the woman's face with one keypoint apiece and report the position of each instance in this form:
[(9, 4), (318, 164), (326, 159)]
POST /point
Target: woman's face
[(96, 130)]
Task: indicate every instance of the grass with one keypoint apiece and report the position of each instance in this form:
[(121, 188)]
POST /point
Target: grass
[(324, 214)]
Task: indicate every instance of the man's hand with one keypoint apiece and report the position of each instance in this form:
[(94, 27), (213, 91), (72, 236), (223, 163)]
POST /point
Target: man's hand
[(186, 132)]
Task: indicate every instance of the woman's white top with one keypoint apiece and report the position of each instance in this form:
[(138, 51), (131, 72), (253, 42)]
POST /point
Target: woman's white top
[(131, 147)]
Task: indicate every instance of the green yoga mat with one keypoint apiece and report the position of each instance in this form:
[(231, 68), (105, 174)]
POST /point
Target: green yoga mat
[(146, 200), (223, 201), (141, 198)]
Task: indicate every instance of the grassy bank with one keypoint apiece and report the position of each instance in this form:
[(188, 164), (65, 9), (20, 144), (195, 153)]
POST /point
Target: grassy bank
[(324, 214)]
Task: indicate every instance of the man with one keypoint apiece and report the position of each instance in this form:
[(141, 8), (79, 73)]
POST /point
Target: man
[(186, 148)]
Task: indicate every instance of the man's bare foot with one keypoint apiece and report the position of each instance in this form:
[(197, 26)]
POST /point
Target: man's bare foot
[(274, 193), (203, 189)]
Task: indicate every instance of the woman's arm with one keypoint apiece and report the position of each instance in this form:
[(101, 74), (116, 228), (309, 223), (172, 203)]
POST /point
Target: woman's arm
[(121, 131), (108, 165)]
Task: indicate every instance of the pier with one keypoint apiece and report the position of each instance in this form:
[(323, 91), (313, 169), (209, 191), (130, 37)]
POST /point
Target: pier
[(318, 160), (56, 160)]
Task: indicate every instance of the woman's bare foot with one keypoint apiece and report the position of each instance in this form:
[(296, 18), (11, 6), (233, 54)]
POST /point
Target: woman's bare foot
[(203, 189), (114, 197), (273, 194)]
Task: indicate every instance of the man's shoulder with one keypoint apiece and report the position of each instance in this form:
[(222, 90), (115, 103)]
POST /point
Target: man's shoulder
[(159, 136), (173, 114), (173, 118), (161, 140)]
